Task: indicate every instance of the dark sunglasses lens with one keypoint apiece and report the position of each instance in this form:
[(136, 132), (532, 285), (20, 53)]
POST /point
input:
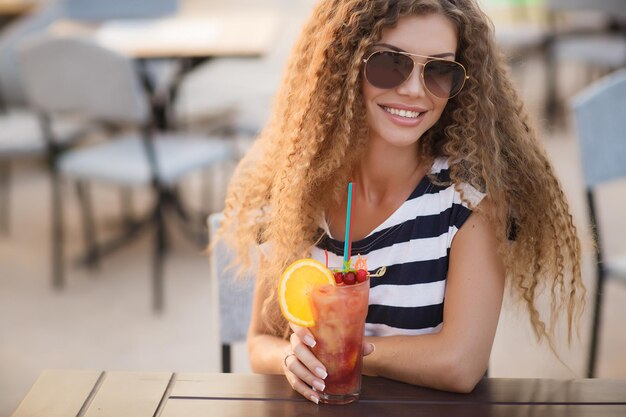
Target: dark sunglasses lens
[(444, 78), (387, 69)]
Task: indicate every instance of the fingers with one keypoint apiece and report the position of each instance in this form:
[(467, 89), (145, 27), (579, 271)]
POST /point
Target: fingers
[(368, 348), (300, 387), (301, 379), (303, 370), (314, 367), (304, 334), (301, 340), (299, 370)]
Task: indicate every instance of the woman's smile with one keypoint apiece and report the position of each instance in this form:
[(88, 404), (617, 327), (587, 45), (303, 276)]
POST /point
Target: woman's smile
[(409, 116)]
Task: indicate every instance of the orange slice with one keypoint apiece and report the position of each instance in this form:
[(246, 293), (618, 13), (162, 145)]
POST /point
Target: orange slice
[(296, 285)]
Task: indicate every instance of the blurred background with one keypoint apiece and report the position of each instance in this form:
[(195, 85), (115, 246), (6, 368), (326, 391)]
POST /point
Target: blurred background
[(102, 267)]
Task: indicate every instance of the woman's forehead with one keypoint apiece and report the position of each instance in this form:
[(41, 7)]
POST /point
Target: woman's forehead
[(430, 34)]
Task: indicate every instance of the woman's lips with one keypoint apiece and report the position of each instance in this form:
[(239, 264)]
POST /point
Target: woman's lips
[(404, 116)]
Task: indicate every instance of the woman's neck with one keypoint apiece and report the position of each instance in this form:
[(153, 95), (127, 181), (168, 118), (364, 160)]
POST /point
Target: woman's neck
[(384, 170)]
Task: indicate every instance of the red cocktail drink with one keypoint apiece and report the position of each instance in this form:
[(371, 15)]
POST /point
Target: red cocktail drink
[(339, 313)]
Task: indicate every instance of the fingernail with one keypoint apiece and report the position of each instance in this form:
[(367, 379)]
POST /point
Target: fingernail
[(314, 399), (373, 347), (319, 385), (321, 372), (309, 341)]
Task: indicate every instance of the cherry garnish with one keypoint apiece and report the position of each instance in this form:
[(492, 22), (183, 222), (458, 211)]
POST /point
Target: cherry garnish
[(349, 278), (361, 275)]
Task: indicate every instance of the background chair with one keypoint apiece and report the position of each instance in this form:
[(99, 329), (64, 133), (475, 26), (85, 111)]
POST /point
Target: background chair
[(599, 113), (20, 133), (232, 297), (21, 139), (77, 76)]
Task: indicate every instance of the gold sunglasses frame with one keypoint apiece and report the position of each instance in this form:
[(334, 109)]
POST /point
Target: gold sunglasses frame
[(428, 59)]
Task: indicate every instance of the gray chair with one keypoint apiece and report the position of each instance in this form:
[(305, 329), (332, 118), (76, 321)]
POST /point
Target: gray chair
[(20, 133), (21, 139), (11, 89), (600, 115), (232, 296), (77, 76)]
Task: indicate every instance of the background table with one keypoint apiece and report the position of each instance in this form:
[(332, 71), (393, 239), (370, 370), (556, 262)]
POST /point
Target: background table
[(183, 35), (186, 38), (94, 393)]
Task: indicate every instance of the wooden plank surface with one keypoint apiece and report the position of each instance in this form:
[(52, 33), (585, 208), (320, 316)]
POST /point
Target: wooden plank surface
[(233, 386), (505, 391), (573, 391), (238, 408), (98, 394), (129, 394), (490, 390), (58, 394)]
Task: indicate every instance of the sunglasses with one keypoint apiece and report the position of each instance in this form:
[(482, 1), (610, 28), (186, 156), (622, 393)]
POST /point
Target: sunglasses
[(389, 69)]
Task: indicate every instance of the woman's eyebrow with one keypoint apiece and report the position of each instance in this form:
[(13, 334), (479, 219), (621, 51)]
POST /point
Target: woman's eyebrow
[(395, 48)]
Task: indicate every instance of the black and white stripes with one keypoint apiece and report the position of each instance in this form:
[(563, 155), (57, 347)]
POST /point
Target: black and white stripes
[(414, 244)]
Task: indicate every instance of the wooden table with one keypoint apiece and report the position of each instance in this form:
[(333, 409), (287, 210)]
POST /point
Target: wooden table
[(189, 38), (184, 35), (116, 394)]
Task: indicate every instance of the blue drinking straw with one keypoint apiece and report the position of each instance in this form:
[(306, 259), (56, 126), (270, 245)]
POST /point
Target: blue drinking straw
[(346, 245)]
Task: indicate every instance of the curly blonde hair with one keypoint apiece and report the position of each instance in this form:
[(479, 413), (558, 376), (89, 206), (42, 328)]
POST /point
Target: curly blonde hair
[(312, 143)]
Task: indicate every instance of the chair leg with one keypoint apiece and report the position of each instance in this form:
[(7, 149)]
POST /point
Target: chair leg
[(596, 323), (160, 249), (58, 279), (5, 174), (226, 359), (598, 296), (92, 256)]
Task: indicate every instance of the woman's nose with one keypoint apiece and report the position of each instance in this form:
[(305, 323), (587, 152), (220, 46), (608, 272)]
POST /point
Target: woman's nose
[(413, 86)]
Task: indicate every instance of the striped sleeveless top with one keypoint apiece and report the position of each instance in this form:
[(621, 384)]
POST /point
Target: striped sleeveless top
[(414, 244)]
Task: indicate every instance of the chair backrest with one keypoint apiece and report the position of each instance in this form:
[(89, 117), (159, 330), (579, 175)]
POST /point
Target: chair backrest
[(600, 116), (11, 37), (76, 75), (118, 9), (232, 296)]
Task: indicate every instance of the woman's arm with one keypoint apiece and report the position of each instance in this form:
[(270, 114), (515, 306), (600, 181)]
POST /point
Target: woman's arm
[(455, 358), (266, 352)]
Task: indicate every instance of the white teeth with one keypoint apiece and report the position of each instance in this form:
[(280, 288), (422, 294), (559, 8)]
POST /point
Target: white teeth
[(402, 113)]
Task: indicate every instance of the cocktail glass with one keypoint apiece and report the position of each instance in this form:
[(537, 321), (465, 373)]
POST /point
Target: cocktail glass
[(339, 313)]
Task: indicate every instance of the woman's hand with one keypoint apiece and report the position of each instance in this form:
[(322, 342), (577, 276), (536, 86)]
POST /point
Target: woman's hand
[(303, 370)]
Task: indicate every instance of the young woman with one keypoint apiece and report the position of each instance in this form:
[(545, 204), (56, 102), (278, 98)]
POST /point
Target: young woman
[(410, 100)]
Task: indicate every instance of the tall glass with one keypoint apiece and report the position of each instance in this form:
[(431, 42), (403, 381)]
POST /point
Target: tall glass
[(339, 313)]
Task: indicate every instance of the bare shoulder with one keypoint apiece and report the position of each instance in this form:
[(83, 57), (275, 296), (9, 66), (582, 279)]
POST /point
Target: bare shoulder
[(477, 224), (474, 249)]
